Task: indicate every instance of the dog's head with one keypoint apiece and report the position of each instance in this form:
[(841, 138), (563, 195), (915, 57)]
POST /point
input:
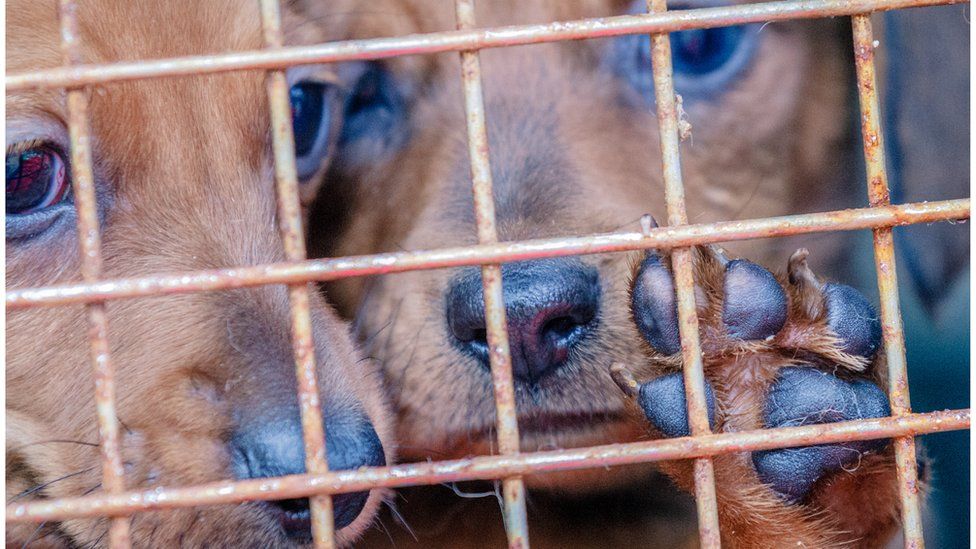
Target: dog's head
[(206, 381), (575, 150)]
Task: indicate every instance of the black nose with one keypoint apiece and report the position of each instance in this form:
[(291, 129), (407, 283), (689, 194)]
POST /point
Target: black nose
[(271, 445), (551, 306)]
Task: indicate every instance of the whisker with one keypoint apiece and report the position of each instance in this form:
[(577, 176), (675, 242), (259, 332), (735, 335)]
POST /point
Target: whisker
[(401, 519), (53, 441), (468, 495), (46, 484), (33, 535)]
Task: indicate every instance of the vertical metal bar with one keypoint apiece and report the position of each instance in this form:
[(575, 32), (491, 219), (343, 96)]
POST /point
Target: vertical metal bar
[(681, 264), (290, 224), (513, 489), (884, 256), (90, 246)]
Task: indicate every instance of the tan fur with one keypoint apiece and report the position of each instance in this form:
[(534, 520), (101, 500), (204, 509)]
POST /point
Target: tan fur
[(183, 170), (569, 157)]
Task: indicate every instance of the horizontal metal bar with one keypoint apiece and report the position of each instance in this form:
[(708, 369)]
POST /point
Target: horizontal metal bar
[(485, 467), (332, 269), (380, 48)]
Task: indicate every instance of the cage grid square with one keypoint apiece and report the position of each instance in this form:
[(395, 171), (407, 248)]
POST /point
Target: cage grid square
[(298, 272)]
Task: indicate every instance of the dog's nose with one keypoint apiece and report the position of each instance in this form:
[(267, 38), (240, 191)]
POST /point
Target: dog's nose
[(271, 445), (551, 306)]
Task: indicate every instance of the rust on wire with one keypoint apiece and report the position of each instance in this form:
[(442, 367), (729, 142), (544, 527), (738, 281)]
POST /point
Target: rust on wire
[(884, 256), (684, 283), (487, 467), (354, 50), (395, 262), (293, 238), (506, 421), (89, 247)]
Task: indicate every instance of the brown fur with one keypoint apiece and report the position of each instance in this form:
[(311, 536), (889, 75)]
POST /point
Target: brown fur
[(570, 157), (183, 170)]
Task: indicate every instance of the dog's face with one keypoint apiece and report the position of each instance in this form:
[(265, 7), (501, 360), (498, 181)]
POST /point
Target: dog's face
[(574, 150), (205, 381)]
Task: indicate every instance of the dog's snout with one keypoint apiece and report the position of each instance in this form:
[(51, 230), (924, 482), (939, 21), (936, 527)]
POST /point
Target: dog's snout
[(271, 445), (551, 305)]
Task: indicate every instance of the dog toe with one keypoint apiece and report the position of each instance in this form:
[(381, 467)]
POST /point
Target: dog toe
[(806, 396), (755, 303), (663, 401), (654, 307)]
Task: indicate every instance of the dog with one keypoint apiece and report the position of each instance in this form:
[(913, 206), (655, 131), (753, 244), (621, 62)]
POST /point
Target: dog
[(574, 147), (205, 381)]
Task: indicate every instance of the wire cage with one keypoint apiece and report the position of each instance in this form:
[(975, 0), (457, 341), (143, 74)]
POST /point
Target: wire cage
[(509, 464)]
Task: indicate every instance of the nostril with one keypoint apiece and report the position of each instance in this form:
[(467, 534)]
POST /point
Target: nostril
[(270, 444), (564, 330)]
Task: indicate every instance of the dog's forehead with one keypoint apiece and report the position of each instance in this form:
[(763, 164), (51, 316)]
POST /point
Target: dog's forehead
[(134, 29)]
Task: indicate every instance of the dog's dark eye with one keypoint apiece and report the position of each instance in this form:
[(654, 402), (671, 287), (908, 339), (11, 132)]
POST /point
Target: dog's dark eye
[(702, 51), (37, 179), (311, 116)]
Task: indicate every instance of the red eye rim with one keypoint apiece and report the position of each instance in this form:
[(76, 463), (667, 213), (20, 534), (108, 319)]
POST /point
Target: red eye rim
[(59, 185)]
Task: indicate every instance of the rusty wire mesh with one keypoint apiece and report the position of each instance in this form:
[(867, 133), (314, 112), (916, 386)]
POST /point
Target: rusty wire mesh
[(319, 483)]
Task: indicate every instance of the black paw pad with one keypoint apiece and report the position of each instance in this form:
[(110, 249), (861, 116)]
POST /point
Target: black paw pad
[(853, 319), (664, 404), (805, 396), (755, 303), (654, 307)]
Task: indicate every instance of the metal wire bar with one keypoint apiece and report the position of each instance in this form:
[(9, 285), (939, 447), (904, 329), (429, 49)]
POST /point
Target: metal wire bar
[(293, 238), (352, 50), (684, 282), (90, 251), (297, 272), (500, 357), (487, 467), (394, 262), (884, 255)]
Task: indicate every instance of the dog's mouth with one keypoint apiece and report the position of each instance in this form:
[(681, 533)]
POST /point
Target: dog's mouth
[(567, 423), (554, 430), (294, 517)]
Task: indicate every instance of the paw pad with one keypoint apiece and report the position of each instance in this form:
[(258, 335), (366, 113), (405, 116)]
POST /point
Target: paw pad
[(806, 396), (664, 404), (654, 307), (755, 303), (853, 319)]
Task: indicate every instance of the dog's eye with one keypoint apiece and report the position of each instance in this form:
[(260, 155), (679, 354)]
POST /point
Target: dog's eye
[(705, 61), (702, 51), (37, 179), (311, 116)]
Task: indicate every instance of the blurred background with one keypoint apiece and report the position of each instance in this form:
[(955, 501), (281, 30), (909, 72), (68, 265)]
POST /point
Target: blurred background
[(925, 96)]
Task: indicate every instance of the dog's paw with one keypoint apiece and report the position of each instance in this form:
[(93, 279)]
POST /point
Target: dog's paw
[(777, 351)]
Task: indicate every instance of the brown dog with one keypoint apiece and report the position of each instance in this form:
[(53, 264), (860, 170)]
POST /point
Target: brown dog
[(575, 151), (206, 382)]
